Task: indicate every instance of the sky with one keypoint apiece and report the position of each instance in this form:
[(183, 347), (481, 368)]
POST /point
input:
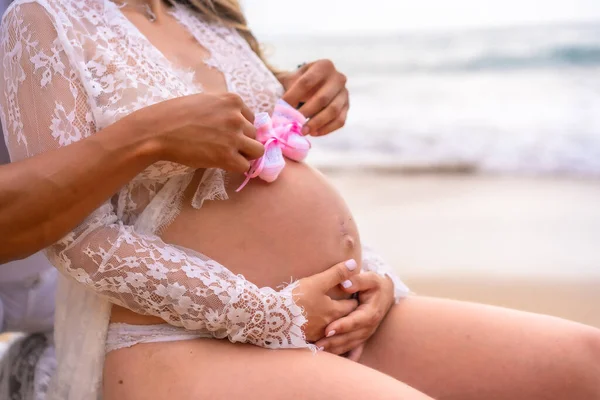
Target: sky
[(272, 17)]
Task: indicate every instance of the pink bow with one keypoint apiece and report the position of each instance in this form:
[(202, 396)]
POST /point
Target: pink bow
[(281, 135)]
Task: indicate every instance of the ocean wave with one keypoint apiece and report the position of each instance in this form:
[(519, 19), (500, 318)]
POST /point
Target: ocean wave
[(558, 57), (505, 49)]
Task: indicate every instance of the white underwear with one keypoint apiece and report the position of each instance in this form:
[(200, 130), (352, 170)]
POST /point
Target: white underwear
[(121, 335)]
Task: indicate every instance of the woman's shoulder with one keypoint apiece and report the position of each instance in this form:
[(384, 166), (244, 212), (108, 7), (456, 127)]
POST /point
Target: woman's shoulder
[(42, 24), (28, 16), (41, 15)]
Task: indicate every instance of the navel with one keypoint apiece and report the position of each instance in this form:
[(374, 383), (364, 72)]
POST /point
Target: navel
[(348, 242)]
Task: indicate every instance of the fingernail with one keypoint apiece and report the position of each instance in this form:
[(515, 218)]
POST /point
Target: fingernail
[(351, 265), (346, 284), (305, 130), (321, 348), (331, 333)]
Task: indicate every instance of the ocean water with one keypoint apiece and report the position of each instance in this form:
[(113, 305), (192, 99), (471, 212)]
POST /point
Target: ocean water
[(516, 100)]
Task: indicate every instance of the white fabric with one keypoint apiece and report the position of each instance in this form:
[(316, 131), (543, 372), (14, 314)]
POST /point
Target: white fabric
[(372, 261), (27, 290), (73, 67), (120, 335), (44, 371)]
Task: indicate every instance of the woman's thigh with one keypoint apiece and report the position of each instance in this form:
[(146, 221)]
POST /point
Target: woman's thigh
[(217, 369), (455, 350)]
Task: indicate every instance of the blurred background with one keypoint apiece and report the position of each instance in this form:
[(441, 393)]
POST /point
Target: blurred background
[(471, 155)]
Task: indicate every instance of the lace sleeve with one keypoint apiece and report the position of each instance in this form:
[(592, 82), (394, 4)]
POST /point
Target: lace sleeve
[(372, 261), (44, 105)]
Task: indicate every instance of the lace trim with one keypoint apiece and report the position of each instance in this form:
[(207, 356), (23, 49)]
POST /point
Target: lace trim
[(373, 262), (120, 336), (211, 187), (164, 207)]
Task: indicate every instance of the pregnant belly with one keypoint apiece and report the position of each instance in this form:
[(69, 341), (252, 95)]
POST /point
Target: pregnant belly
[(271, 233), (292, 228)]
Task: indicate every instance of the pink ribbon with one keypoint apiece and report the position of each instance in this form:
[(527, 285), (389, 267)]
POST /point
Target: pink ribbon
[(257, 165), (277, 131)]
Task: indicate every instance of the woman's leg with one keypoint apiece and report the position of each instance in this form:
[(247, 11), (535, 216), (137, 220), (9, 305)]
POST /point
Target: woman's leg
[(217, 369), (455, 350)]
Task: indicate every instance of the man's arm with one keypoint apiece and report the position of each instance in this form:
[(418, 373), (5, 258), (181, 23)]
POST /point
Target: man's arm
[(43, 197)]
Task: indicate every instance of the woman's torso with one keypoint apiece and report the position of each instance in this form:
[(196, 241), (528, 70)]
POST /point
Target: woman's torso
[(270, 233)]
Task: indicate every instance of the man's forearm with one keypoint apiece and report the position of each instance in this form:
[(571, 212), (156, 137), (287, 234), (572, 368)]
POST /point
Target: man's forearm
[(44, 197)]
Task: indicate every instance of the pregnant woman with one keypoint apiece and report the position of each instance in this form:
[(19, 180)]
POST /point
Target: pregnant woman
[(178, 260)]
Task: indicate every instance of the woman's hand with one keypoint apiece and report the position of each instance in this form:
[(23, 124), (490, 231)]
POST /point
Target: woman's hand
[(319, 308), (348, 334), (204, 131), (323, 91)]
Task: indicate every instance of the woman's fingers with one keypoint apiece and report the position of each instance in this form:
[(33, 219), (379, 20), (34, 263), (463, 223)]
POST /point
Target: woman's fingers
[(342, 308), (361, 282), (247, 113), (336, 275), (356, 353), (248, 129), (312, 78), (239, 163), (322, 99), (326, 101), (341, 344), (337, 123), (327, 110), (358, 319), (250, 148)]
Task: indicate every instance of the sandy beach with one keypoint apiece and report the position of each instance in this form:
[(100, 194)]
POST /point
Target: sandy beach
[(531, 243)]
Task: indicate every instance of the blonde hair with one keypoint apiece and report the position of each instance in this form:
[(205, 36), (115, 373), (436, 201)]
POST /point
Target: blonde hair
[(229, 13)]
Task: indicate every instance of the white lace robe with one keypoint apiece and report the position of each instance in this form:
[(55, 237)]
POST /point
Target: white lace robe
[(73, 67)]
